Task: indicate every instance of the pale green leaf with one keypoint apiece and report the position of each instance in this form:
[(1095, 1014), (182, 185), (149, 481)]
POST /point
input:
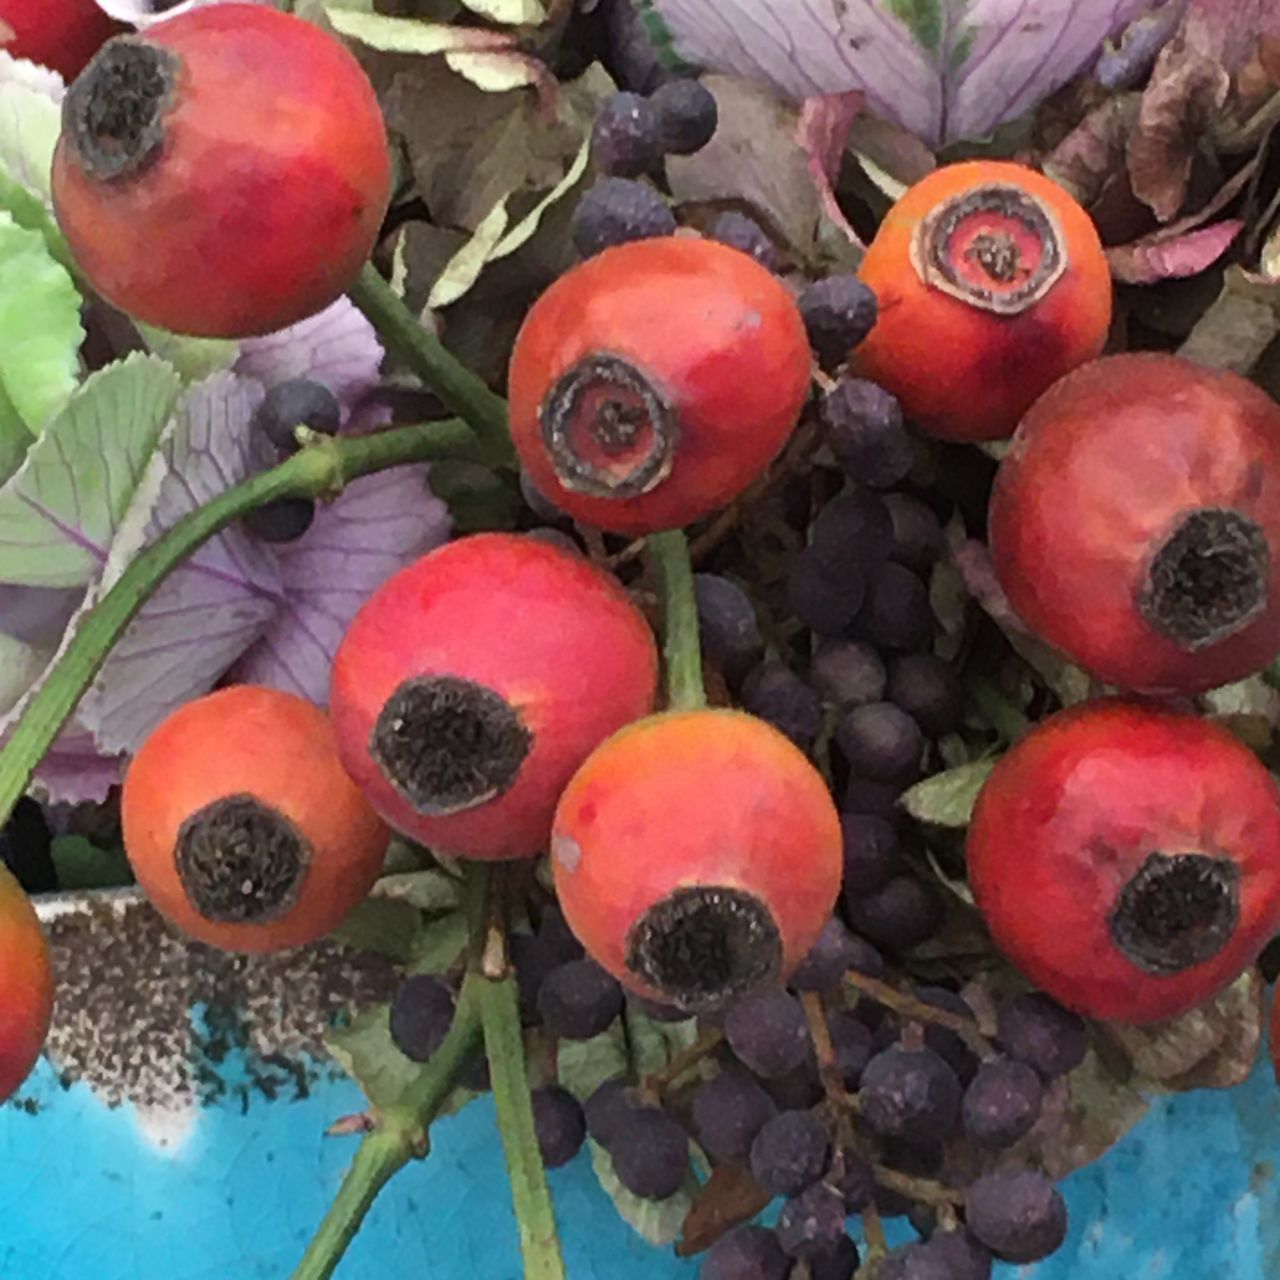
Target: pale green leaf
[(439, 944), (60, 512), (498, 72), (366, 1052), (463, 269), (193, 358), (405, 35), (654, 1043), (947, 799), (660, 1222), (527, 227), (40, 333), (513, 13), (431, 889), (584, 1065), (29, 125)]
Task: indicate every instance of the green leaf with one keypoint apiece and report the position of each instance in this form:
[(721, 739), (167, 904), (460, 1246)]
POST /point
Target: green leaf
[(59, 514), (384, 925), (584, 1065), (947, 799), (431, 889), (405, 35), (497, 72), (653, 1043), (514, 13), (477, 497), (657, 1221), (366, 1052), (30, 122), (81, 864), (439, 943), (193, 358), (463, 269), (527, 227), (40, 331)]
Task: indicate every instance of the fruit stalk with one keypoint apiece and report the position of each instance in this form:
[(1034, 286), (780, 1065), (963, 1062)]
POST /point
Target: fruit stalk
[(322, 468), (669, 553), (401, 1132), (461, 390), (504, 1047)]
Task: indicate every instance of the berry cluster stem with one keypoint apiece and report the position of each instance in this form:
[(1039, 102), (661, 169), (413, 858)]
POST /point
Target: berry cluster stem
[(400, 1132), (669, 554), (919, 1011), (462, 391), (319, 470)]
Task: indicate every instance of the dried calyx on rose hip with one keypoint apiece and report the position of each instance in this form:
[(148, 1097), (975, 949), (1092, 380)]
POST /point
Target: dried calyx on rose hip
[(473, 683), (654, 382), (26, 986), (1127, 859), (186, 193), (697, 856), (62, 34), (242, 826), (992, 283), (1135, 523)]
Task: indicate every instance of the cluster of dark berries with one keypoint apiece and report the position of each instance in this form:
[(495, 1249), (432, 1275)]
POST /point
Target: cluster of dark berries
[(286, 407)]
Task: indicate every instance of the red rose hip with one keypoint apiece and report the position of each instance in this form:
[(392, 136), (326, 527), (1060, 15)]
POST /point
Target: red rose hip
[(654, 382), (991, 283), (1127, 859), (241, 825), (62, 34), (697, 854), (223, 175), (473, 683), (26, 986), (1135, 523)]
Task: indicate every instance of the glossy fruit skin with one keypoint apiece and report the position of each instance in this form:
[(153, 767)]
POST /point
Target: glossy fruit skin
[(557, 638), (278, 748), (710, 329), (962, 372), (26, 986), (268, 191), (1098, 474), (62, 34), (1072, 812), (689, 798)]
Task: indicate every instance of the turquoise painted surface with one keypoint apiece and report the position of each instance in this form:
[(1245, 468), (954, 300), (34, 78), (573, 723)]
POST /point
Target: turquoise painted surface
[(232, 1193)]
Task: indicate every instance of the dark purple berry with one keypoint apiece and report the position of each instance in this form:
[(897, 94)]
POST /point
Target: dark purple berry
[(798, 1090), (559, 1124), (778, 696), (745, 1253), (918, 540), (854, 1179), (897, 614), (299, 402), (650, 1153), (790, 1152), (606, 1109), (853, 1045), (26, 848), (838, 1263), (687, 116), (1037, 1030), (626, 140), (881, 741), (769, 1033), (872, 853), (853, 529), (827, 960), (811, 1223), (556, 936), (728, 1112), (943, 1041), (532, 961), (284, 520), (905, 913), (1001, 1103), (421, 1014), (1018, 1214), (848, 673), (617, 210), (928, 690), (838, 311), (748, 236), (728, 625), (867, 797), (910, 1094), (864, 429), (579, 1000), (826, 601)]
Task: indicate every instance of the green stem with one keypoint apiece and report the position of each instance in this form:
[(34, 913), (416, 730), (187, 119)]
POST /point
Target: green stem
[(530, 1195), (669, 553), (461, 390), (320, 469), (402, 1129)]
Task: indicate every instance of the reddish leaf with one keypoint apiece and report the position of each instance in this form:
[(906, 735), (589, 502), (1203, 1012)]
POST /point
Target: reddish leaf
[(1159, 257), (824, 130)]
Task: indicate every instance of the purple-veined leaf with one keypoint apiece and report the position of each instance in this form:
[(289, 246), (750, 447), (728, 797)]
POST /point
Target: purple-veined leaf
[(216, 604), (377, 526), (944, 69)]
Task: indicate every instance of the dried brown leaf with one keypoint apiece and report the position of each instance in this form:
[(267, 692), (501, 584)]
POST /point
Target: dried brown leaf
[(1093, 153), (730, 1196)]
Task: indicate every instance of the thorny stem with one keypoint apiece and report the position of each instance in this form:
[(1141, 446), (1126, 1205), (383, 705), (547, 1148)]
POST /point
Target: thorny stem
[(319, 470), (504, 1045), (400, 1132), (462, 391), (669, 553), (919, 1010)]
